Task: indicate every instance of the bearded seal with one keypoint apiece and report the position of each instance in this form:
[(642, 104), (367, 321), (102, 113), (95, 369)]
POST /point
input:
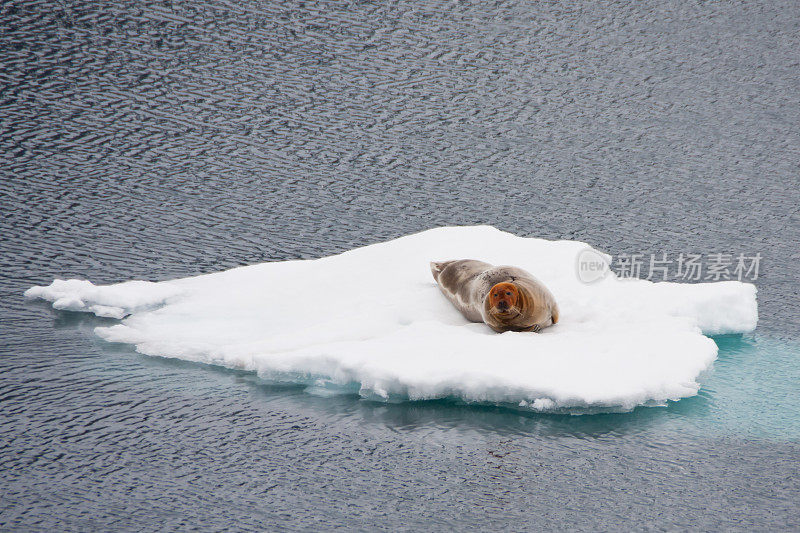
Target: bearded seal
[(506, 298)]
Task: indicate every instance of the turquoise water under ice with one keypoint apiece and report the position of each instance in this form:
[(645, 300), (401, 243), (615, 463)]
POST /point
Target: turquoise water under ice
[(751, 391)]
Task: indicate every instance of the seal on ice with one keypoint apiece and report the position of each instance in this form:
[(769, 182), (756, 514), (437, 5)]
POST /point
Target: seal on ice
[(506, 298)]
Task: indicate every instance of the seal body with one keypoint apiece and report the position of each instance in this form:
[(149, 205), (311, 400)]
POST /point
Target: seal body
[(506, 298)]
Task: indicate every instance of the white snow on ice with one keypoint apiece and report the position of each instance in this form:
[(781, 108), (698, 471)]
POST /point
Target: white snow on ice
[(373, 318)]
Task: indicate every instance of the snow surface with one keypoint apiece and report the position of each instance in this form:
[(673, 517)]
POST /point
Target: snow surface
[(373, 320)]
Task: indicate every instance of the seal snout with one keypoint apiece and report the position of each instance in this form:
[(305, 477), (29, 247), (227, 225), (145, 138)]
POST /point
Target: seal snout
[(502, 305)]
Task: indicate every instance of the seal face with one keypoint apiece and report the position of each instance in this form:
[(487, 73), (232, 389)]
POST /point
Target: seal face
[(506, 298)]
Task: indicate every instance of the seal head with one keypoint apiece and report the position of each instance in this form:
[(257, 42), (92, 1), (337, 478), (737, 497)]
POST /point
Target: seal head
[(516, 306), (503, 299)]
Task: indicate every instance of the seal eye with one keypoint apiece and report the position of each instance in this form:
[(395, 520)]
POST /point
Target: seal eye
[(508, 293)]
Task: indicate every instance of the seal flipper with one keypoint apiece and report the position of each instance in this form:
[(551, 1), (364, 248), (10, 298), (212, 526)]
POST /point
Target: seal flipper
[(437, 267)]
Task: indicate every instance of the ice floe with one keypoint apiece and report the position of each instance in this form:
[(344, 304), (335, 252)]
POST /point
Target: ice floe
[(372, 319)]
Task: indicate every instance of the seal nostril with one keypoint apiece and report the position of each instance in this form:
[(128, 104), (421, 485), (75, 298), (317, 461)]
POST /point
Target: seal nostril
[(503, 305)]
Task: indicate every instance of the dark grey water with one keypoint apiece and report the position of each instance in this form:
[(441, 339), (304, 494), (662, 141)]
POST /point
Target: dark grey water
[(166, 139)]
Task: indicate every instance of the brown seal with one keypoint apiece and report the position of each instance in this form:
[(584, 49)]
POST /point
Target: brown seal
[(506, 298)]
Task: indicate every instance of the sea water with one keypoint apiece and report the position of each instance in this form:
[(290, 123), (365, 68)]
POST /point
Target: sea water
[(166, 140)]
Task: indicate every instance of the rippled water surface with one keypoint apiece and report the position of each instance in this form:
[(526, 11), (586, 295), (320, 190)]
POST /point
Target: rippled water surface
[(167, 139)]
